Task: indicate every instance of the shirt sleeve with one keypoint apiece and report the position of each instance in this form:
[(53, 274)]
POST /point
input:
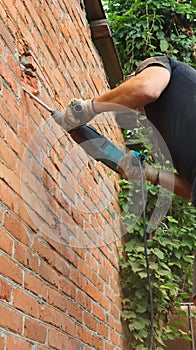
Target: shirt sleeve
[(162, 61)]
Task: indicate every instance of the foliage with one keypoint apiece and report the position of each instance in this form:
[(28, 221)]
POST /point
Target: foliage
[(170, 251), (142, 29), (153, 27)]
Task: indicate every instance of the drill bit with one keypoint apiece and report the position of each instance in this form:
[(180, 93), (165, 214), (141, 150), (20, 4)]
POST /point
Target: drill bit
[(38, 100)]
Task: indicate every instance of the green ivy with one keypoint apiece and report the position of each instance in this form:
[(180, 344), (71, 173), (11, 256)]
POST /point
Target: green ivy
[(142, 29), (154, 27), (171, 252)]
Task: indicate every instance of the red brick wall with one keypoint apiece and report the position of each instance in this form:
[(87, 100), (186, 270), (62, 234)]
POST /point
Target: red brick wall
[(59, 284)]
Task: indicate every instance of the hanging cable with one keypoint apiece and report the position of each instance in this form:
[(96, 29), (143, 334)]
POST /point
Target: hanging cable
[(150, 341)]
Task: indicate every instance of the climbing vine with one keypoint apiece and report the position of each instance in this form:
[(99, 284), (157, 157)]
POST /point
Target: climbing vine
[(153, 27), (170, 249), (142, 29)]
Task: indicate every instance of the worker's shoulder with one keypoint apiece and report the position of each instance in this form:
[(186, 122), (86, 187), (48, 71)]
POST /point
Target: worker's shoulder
[(185, 69), (162, 61)]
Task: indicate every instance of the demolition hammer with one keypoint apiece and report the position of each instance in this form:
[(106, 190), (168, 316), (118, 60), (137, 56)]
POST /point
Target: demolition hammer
[(94, 143)]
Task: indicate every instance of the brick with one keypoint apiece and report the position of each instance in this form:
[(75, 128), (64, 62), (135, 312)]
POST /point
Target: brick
[(109, 293), (75, 311), (109, 346), (35, 285), (14, 226), (7, 155), (50, 315), (114, 337), (98, 312), (13, 342), (114, 311), (88, 272), (10, 113), (34, 330), (10, 10), (2, 342), (5, 290), (85, 335), (25, 303), (25, 40), (8, 197), (13, 65), (14, 142), (8, 76), (37, 169), (115, 324), (83, 300), (68, 326), (104, 274), (95, 294), (51, 257), (91, 261), (67, 287), (114, 285), (26, 257), (69, 255), (90, 322), (10, 319), (49, 274), (7, 37), (78, 279), (57, 339), (98, 342), (73, 344), (9, 177), (10, 269), (28, 215), (103, 330), (6, 242), (57, 299)]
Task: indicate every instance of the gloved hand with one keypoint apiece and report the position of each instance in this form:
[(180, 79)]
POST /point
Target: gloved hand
[(77, 113), (128, 167)]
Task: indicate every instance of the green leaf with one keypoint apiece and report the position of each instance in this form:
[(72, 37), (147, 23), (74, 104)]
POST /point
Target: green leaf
[(153, 266), (141, 308), (158, 253), (164, 45), (142, 274), (171, 219)]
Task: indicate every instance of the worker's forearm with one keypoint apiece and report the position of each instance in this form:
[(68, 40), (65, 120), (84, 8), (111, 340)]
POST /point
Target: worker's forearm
[(123, 96), (140, 90), (175, 183)]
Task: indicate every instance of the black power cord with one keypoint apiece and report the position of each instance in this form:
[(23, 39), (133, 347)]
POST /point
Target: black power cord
[(150, 341)]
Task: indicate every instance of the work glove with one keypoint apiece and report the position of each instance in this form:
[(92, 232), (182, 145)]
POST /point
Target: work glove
[(129, 168), (77, 113)]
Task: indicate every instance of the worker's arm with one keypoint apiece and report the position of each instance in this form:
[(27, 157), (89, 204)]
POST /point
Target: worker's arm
[(140, 90), (175, 183), (172, 182), (135, 93)]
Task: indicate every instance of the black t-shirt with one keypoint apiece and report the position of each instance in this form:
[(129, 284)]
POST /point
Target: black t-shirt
[(174, 113)]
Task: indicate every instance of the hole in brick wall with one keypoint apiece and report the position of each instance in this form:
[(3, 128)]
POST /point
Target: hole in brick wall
[(28, 70)]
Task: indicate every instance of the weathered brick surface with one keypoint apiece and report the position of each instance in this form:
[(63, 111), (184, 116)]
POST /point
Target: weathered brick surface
[(59, 217)]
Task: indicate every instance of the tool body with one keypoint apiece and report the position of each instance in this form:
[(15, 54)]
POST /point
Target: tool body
[(97, 146), (94, 143)]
